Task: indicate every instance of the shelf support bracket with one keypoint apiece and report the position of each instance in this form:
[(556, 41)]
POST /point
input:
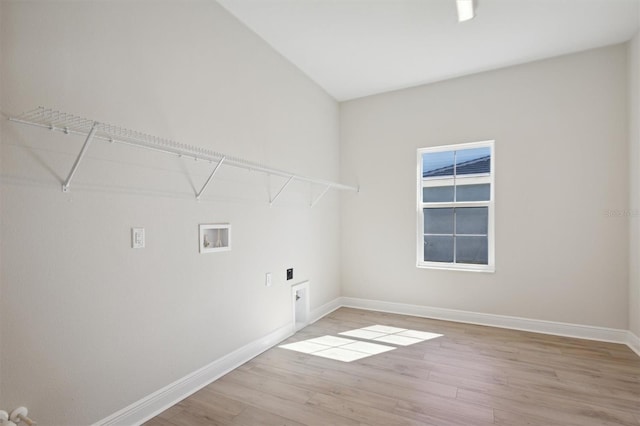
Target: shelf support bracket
[(320, 196), (65, 185), (273, 200), (215, 170)]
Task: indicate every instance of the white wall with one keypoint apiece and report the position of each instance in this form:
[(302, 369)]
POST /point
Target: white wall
[(560, 127), (88, 324), (1, 215), (634, 186)]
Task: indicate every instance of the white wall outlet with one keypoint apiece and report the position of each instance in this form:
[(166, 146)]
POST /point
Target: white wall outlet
[(137, 237), (267, 279)]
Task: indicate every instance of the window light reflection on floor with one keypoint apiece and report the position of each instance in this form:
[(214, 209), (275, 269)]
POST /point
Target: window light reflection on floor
[(338, 348), (393, 335), (347, 350)]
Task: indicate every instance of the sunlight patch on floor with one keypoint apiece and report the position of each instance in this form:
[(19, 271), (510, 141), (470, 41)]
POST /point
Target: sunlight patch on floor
[(337, 348), (393, 335), (347, 350)]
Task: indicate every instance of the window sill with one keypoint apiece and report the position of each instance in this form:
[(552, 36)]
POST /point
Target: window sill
[(488, 269)]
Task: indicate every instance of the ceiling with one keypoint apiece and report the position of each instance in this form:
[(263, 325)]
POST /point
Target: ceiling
[(356, 48)]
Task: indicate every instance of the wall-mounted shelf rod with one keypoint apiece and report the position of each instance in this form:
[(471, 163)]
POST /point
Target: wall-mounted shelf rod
[(87, 141), (273, 200), (326, 189), (210, 177), (71, 124)]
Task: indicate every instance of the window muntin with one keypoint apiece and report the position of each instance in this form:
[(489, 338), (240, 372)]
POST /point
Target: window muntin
[(455, 206)]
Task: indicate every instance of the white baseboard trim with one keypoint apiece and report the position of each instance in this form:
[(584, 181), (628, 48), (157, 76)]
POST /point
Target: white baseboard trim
[(325, 309), (633, 342), (516, 323), (153, 404)]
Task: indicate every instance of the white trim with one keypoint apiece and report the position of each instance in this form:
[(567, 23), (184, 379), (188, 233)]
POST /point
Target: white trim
[(455, 267), (325, 309), (458, 146), (515, 323), (490, 204), (462, 180), (454, 204), (633, 342), (155, 403), (304, 286)]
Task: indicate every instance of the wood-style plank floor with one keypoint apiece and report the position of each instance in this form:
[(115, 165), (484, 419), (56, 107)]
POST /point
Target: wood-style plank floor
[(472, 375)]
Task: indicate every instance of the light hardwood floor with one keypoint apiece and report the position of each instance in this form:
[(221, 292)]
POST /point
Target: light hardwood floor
[(472, 375)]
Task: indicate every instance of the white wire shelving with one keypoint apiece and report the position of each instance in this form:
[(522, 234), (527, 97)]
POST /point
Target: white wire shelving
[(91, 129)]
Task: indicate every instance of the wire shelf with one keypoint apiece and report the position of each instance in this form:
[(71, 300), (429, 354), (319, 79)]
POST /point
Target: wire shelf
[(91, 129)]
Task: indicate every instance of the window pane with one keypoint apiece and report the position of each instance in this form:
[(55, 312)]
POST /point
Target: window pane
[(437, 164), (473, 161), (437, 194), (438, 221), (481, 192), (472, 220), (438, 249), (472, 250)]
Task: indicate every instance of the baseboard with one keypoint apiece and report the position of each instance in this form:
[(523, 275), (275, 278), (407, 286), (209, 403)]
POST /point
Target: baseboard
[(516, 323), (633, 342), (325, 309), (152, 405)]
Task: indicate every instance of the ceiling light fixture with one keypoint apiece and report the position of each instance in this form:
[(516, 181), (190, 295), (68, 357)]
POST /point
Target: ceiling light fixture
[(465, 10)]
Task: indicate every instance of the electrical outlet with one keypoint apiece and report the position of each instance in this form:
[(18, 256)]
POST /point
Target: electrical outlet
[(289, 274), (267, 279)]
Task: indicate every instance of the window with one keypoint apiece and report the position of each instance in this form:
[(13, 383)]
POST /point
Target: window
[(455, 207)]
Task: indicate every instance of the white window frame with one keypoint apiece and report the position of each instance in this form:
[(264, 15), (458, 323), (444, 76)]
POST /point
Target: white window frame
[(446, 181)]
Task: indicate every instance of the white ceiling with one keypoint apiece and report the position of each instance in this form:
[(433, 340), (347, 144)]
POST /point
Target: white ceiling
[(355, 48)]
